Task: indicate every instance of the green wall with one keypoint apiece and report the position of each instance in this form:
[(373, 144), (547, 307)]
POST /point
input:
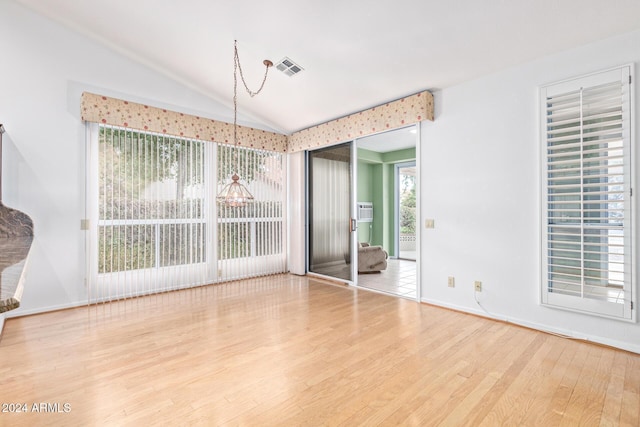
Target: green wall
[(376, 183)]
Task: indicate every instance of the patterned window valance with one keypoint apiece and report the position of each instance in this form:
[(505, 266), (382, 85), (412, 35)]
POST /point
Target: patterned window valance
[(392, 115), (116, 112), (409, 110)]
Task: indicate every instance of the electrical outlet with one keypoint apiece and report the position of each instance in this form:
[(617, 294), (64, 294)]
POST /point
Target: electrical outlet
[(451, 282), (477, 286)]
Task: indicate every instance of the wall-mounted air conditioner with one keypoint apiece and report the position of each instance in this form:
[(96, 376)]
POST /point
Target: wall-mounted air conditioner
[(365, 212)]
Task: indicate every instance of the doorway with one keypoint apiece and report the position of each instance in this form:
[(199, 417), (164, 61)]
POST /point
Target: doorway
[(388, 179)]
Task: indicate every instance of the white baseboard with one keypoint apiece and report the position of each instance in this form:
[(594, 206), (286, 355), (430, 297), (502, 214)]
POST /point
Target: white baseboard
[(20, 312), (634, 348)]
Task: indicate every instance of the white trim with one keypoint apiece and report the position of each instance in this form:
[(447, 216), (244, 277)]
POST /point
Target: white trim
[(635, 348), (635, 287), (19, 312), (91, 206), (396, 203)]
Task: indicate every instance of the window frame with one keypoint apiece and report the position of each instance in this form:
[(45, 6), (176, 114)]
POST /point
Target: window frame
[(598, 307)]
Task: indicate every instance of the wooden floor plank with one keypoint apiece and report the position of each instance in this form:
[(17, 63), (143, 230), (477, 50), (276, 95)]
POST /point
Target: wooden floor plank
[(630, 413), (529, 389), (582, 392), (615, 388), (289, 350), (540, 412)]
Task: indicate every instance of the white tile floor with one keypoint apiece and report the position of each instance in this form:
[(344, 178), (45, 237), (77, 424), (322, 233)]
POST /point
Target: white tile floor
[(399, 279)]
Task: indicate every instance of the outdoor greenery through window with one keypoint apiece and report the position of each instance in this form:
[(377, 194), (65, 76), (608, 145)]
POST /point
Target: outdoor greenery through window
[(406, 175), (408, 204), (255, 230), (151, 201), (158, 224)]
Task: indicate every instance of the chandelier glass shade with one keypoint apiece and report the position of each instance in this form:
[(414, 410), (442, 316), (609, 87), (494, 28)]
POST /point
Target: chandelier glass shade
[(235, 194)]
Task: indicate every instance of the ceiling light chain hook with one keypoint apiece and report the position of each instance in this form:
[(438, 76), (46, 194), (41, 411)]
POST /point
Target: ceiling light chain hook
[(268, 64)]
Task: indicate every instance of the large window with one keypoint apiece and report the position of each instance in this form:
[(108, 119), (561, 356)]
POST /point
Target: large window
[(586, 138), (157, 226), (152, 213)]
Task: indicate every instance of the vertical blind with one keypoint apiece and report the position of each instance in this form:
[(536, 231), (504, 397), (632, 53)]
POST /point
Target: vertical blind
[(155, 209), (330, 196), (255, 231), (587, 204)]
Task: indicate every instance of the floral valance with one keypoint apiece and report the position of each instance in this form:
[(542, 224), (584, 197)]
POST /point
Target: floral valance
[(116, 112), (392, 115)]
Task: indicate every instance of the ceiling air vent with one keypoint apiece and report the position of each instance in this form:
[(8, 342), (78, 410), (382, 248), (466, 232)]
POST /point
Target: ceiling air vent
[(288, 67)]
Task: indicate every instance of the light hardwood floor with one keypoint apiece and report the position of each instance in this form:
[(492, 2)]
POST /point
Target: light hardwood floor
[(288, 350)]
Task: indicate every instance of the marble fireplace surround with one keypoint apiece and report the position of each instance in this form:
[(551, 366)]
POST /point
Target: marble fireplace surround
[(16, 236)]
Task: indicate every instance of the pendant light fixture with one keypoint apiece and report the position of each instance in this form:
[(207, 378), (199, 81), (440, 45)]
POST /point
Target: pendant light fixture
[(235, 194)]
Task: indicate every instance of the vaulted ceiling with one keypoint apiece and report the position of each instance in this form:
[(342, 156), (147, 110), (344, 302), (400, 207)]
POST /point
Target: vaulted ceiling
[(355, 53)]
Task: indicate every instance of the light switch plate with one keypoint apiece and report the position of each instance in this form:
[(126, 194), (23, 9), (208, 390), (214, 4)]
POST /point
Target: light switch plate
[(429, 223)]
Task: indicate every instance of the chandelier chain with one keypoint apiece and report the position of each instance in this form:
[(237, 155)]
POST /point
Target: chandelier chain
[(237, 65), (238, 68), (235, 194)]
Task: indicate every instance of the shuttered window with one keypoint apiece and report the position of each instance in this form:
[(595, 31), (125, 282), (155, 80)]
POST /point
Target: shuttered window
[(586, 138)]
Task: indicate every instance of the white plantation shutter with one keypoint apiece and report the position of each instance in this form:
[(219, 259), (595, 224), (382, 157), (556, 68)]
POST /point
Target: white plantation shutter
[(586, 138)]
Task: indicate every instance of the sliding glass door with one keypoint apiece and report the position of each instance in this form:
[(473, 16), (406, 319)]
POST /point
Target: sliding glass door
[(331, 232)]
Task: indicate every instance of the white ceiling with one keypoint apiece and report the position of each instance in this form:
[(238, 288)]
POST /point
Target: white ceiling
[(355, 53), (392, 140)]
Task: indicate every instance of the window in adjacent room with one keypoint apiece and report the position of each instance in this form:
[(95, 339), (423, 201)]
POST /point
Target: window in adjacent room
[(586, 206)]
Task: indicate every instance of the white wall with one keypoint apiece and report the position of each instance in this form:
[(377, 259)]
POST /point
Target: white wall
[(44, 69), (296, 258), (480, 176)]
